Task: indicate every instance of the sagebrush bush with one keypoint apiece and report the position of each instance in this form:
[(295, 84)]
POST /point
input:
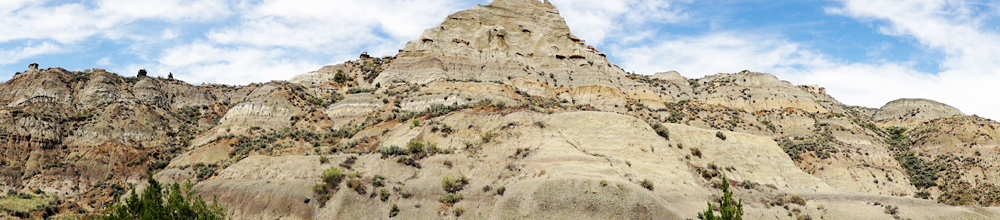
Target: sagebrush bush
[(797, 200), (357, 186), (660, 130), (450, 198), (416, 148), (393, 210), (378, 180), (646, 183), (393, 151), (329, 181), (333, 176), (453, 184), (383, 194)]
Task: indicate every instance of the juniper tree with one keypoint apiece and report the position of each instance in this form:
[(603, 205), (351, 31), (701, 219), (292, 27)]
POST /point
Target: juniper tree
[(728, 208)]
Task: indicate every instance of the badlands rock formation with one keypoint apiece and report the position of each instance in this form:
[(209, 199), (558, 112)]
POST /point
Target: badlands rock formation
[(541, 125)]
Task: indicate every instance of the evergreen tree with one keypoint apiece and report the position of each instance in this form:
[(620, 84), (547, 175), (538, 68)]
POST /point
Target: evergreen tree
[(170, 75), (164, 202), (142, 73), (728, 209)]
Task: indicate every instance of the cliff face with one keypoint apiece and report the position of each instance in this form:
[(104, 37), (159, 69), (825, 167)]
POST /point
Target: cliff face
[(541, 125)]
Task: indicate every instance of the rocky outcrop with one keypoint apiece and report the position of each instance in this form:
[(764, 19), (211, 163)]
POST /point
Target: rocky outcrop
[(904, 112), (511, 41)]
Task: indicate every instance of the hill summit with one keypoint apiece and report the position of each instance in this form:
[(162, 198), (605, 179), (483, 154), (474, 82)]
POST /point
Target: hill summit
[(499, 112)]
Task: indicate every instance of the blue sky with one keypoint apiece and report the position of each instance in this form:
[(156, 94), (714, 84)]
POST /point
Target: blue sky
[(865, 52)]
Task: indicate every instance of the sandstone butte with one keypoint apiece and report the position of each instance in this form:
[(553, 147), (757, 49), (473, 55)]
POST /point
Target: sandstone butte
[(540, 124)]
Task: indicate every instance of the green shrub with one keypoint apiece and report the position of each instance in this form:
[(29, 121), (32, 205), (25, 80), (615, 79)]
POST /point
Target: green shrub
[(205, 171), (797, 200), (660, 130), (923, 174), (356, 90), (416, 148), (348, 162), (720, 135), (676, 117), (393, 151), (378, 180), (695, 151), (487, 137), (317, 101), (458, 211), (446, 129), (333, 176), (453, 184), (450, 198), (383, 194), (728, 209), (334, 98), (356, 185), (409, 161), (891, 210), (164, 202), (393, 211), (340, 77), (320, 188), (646, 183), (323, 159)]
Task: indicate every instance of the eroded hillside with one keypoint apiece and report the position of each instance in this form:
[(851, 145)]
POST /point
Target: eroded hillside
[(498, 113)]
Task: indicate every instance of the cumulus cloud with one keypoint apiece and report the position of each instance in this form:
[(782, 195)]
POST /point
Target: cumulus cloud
[(18, 54), (959, 29), (201, 62), (72, 22), (695, 56), (596, 20), (338, 24)]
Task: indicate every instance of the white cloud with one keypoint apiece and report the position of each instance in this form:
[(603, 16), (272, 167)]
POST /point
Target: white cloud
[(18, 54), (949, 26), (106, 61), (200, 62), (168, 34), (337, 24), (73, 22), (596, 20), (696, 56), (970, 43), (124, 11)]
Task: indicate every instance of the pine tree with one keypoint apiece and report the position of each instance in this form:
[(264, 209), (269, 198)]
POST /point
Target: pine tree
[(164, 202), (170, 75), (728, 209), (142, 73)]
